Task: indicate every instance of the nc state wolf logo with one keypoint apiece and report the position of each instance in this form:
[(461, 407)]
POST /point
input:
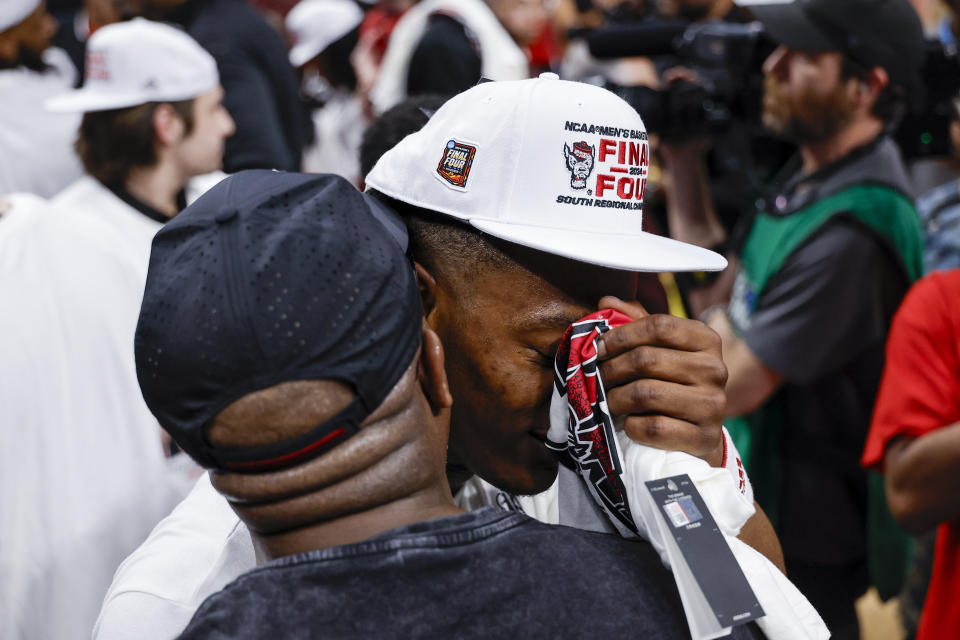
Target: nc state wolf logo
[(579, 162)]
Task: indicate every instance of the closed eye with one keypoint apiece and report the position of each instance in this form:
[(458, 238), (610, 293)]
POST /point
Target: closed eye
[(542, 358)]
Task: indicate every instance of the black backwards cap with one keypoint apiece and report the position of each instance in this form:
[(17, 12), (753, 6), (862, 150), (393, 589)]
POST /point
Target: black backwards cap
[(270, 278)]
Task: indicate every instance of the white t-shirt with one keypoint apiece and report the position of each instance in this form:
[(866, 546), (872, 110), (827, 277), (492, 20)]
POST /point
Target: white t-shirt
[(81, 460), (36, 145)]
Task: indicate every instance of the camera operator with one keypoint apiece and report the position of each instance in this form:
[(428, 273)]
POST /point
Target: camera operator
[(823, 267)]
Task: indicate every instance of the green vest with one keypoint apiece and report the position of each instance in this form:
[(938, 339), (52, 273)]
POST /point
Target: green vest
[(893, 218)]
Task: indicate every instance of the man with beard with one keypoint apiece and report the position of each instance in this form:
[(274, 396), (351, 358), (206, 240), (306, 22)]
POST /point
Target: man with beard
[(36, 147), (822, 269)]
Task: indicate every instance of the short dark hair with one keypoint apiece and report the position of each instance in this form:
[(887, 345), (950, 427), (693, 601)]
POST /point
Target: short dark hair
[(395, 124), (112, 143), (439, 241), (891, 103)]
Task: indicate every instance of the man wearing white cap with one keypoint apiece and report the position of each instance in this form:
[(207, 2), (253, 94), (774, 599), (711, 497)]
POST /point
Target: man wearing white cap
[(36, 154), (324, 34), (513, 239), (153, 119)]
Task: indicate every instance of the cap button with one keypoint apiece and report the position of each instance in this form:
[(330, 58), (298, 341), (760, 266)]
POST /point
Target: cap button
[(549, 76), (226, 216)]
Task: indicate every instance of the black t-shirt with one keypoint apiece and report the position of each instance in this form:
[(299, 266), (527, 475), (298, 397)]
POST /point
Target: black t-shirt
[(446, 61), (261, 89), (483, 574)]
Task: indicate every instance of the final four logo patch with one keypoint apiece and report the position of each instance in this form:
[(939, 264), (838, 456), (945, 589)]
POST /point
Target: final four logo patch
[(455, 164)]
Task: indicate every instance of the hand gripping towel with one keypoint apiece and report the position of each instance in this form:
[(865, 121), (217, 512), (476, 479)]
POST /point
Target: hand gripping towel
[(601, 487)]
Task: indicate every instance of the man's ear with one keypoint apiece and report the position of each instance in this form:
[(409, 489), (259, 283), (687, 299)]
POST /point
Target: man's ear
[(168, 127), (428, 289), (871, 89), (433, 375)]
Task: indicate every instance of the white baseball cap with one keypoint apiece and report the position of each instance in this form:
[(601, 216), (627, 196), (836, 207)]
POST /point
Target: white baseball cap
[(132, 63), (545, 163), (13, 12), (316, 24)]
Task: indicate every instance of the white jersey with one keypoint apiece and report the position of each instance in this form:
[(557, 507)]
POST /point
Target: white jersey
[(36, 146), (129, 230), (81, 458)]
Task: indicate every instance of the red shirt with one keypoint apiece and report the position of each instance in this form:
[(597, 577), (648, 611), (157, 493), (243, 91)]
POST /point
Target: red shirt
[(920, 392)]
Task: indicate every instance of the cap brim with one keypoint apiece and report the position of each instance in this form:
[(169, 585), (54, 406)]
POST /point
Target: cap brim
[(84, 100), (787, 23), (630, 252), (304, 52)]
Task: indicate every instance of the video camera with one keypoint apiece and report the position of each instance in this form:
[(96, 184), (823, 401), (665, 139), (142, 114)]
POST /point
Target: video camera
[(925, 131), (727, 59)]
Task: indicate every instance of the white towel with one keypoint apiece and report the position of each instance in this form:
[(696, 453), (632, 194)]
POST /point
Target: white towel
[(613, 469)]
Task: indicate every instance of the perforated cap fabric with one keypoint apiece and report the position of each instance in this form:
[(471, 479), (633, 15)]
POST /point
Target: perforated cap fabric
[(269, 278)]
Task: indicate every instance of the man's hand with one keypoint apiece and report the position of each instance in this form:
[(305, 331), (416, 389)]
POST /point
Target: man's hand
[(667, 376)]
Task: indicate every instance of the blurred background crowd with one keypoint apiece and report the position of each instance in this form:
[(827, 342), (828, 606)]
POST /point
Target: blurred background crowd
[(749, 124)]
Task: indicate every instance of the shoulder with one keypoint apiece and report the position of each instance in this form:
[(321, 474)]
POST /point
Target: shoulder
[(840, 243), (931, 300)]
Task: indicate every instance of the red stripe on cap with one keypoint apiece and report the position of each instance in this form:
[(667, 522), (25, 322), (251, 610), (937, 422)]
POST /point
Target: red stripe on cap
[(264, 465)]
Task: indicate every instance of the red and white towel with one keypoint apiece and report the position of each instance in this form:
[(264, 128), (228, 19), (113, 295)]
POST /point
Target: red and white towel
[(612, 468)]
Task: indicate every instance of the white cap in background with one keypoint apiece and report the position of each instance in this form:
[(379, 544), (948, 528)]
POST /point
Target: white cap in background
[(132, 63), (316, 24), (545, 163), (13, 12)]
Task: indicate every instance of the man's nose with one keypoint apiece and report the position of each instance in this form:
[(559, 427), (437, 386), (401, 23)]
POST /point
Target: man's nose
[(229, 126)]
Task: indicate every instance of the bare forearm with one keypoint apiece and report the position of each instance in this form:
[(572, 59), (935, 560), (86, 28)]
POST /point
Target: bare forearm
[(749, 381), (690, 212), (922, 477), (759, 534)]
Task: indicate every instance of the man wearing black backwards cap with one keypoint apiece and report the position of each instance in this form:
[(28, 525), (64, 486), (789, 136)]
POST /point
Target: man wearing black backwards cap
[(281, 342), (822, 270)]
